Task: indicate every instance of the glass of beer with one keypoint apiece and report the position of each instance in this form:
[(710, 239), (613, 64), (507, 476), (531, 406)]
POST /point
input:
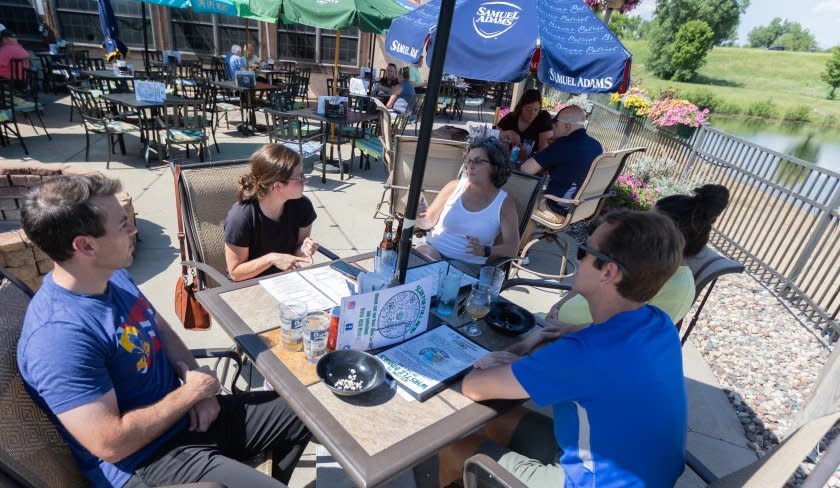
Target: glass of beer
[(477, 307)]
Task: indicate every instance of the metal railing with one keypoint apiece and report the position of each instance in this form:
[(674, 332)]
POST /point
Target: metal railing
[(783, 220)]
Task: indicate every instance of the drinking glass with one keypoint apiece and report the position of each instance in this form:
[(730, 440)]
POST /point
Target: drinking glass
[(316, 327), (493, 278), (292, 313), (447, 293), (477, 307)]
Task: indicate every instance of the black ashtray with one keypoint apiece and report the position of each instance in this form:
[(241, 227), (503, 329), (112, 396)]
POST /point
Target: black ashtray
[(349, 373), (509, 319)]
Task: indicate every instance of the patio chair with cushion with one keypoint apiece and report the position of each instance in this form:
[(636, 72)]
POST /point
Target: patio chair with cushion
[(379, 145), (773, 470), (8, 115), (185, 125), (442, 166), (32, 452), (96, 118), (204, 194), (304, 75), (302, 137), (476, 97), (584, 206), (26, 99)]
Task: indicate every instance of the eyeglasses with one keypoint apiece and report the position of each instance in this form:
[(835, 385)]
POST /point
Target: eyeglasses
[(468, 161), (583, 250), (300, 179)]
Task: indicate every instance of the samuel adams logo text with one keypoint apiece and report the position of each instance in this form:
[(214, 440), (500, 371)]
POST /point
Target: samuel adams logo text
[(493, 19)]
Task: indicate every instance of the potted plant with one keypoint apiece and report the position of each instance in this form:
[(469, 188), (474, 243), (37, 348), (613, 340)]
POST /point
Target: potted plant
[(677, 116)]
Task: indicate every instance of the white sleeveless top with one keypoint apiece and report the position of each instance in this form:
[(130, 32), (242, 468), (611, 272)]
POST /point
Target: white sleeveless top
[(449, 235)]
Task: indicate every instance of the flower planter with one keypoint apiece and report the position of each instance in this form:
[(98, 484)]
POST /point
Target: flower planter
[(680, 130)]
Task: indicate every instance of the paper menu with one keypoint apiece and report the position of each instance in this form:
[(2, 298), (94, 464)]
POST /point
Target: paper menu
[(384, 317), (424, 364), (319, 288)]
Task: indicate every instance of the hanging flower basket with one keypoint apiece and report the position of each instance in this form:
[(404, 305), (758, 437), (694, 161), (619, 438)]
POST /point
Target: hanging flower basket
[(680, 130)]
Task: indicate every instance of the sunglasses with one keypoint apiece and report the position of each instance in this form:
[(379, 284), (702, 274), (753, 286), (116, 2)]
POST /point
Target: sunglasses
[(583, 250)]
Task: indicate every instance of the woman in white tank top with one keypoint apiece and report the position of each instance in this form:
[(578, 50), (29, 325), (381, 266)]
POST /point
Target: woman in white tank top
[(472, 218)]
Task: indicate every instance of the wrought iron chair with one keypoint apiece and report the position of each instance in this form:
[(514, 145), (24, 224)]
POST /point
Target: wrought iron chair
[(26, 101), (342, 87), (584, 206), (302, 137), (185, 125), (476, 97), (8, 115), (380, 145), (96, 118), (32, 452), (304, 75)]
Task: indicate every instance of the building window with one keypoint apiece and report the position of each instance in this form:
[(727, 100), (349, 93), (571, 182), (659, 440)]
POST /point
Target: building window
[(19, 17), (308, 44), (192, 31), (78, 21), (236, 30)]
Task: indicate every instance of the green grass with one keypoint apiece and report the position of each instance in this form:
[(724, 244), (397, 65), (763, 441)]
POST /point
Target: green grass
[(743, 80)]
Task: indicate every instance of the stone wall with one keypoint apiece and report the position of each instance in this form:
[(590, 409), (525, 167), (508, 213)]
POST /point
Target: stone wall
[(18, 254)]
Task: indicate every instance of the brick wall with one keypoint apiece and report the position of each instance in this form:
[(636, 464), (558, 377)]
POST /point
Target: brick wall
[(18, 254)]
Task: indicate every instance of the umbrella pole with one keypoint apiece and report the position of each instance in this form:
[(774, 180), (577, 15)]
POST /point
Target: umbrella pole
[(371, 53), (145, 39), (447, 9), (335, 62)]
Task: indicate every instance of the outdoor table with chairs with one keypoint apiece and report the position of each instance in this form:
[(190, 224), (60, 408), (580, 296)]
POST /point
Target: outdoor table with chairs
[(109, 76), (248, 101), (373, 436)]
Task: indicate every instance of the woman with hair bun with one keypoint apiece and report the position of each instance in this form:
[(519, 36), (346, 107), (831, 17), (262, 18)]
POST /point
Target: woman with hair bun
[(267, 230), (694, 216)]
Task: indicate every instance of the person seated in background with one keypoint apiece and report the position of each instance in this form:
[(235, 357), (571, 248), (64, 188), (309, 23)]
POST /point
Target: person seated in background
[(234, 62), (386, 84), (694, 217), (616, 388), (472, 218), (416, 77), (249, 57), (567, 160), (268, 229), (527, 124), (10, 49), (402, 95), (118, 383)]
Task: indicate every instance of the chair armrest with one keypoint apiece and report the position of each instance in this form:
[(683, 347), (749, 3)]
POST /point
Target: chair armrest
[(210, 271), (329, 254), (567, 201), (553, 284), (482, 467), (699, 468), (220, 355), (216, 352)]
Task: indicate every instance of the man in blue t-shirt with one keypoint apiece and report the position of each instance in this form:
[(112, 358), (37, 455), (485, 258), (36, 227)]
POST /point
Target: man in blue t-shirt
[(123, 390), (616, 387), (567, 160)]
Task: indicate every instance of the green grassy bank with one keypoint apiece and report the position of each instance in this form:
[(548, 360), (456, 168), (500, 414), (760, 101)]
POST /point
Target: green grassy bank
[(751, 82)]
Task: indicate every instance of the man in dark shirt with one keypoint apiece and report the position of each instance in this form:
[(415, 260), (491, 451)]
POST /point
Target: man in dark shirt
[(567, 160)]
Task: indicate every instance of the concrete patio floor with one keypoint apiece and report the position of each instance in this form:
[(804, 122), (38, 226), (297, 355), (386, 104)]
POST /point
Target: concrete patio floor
[(346, 226)]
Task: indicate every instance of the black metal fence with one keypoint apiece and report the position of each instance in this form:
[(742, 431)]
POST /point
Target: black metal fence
[(783, 221)]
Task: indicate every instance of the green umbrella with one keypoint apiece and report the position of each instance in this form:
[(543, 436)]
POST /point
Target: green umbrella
[(368, 15)]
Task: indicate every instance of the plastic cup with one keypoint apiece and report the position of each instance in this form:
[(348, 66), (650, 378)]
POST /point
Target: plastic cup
[(447, 294), (316, 328), (492, 278), (385, 261), (292, 313)]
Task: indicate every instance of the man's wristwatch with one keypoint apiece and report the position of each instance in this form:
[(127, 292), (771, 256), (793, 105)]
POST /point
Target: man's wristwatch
[(487, 251)]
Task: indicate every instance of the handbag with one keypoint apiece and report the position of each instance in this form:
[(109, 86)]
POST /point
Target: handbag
[(187, 307), (189, 311)]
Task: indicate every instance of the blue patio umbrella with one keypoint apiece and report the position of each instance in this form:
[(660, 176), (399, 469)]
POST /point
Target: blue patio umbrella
[(114, 47), (495, 40)]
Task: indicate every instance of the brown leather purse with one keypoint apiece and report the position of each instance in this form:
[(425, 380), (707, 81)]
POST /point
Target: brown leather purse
[(187, 307)]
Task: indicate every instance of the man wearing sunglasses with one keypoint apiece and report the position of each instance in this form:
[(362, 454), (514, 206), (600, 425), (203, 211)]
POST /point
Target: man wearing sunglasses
[(616, 387), (566, 160)]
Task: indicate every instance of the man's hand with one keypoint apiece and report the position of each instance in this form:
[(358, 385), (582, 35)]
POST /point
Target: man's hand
[(203, 414), (202, 381), (537, 338), (496, 358)]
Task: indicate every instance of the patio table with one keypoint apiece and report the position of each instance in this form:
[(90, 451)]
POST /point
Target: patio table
[(120, 81), (148, 111), (352, 118), (248, 99), (374, 436)]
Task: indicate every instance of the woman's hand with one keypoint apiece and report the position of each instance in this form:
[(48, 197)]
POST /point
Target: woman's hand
[(308, 248), (495, 359), (474, 246), (285, 262)]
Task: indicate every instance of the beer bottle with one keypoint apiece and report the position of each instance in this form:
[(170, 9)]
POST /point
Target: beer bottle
[(387, 242)]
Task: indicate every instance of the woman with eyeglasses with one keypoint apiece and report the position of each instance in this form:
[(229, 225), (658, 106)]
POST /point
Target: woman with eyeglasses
[(472, 218), (694, 216), (268, 229)]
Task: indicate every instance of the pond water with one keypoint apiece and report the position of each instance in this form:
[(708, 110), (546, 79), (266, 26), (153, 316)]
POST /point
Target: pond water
[(809, 143)]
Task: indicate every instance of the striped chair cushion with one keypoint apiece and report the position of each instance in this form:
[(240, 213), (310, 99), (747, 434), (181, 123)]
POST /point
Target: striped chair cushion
[(5, 115), (226, 107), (114, 126), (27, 106), (310, 148), (370, 146), (184, 135), (473, 102)]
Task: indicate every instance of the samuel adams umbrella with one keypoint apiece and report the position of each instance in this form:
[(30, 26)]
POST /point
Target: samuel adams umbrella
[(494, 40)]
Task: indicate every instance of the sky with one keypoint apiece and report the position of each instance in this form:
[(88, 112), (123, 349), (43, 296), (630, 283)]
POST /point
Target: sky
[(821, 17)]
